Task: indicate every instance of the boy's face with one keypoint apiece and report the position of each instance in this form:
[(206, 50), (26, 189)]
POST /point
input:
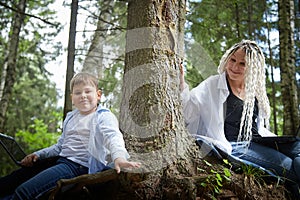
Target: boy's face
[(85, 98)]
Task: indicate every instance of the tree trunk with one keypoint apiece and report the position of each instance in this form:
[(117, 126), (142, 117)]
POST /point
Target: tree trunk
[(151, 116), (271, 61), (71, 57), (287, 67), (9, 71)]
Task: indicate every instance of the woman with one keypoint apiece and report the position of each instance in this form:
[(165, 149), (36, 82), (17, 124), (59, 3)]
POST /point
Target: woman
[(231, 108)]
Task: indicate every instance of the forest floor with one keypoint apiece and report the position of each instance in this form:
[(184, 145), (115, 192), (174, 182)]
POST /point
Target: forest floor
[(247, 183), (214, 180)]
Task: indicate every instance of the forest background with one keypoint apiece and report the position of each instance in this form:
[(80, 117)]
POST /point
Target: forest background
[(29, 108)]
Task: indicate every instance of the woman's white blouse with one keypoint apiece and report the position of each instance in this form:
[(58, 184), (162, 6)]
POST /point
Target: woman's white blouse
[(204, 111)]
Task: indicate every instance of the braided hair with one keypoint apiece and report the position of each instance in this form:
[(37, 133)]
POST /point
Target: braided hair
[(255, 85)]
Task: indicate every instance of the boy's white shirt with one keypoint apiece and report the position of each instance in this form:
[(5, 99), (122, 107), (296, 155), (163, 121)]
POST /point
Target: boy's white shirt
[(105, 144)]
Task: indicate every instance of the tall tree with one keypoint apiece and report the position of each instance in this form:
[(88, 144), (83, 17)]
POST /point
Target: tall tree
[(287, 67), (71, 56), (93, 62), (270, 58), (9, 70), (151, 117), (33, 52), (105, 55), (297, 45)]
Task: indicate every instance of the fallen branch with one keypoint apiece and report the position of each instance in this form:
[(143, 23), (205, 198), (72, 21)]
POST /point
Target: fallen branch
[(78, 183)]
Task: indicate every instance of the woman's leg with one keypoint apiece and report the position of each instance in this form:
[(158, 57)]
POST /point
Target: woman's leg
[(46, 180), (268, 158), (292, 150)]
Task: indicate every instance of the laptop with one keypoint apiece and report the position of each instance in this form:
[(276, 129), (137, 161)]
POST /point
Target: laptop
[(277, 139), (12, 148)]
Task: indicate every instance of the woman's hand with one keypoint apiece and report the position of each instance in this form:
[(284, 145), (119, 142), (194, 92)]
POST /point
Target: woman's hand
[(29, 160), (181, 76), (123, 163)]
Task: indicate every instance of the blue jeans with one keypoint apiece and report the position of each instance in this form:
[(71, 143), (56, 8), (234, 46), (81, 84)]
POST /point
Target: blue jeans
[(46, 180), (283, 159)]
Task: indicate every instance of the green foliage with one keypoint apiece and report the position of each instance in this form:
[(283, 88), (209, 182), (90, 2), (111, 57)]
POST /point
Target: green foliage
[(34, 97), (110, 85), (215, 178), (216, 26), (36, 136)]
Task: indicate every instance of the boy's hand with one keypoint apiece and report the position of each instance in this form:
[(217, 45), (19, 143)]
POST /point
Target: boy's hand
[(123, 163), (29, 160)]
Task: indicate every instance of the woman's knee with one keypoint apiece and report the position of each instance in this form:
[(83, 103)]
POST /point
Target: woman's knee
[(296, 164)]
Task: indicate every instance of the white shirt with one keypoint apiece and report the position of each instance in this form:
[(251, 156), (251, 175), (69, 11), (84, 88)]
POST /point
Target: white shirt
[(204, 113), (75, 146), (105, 142)]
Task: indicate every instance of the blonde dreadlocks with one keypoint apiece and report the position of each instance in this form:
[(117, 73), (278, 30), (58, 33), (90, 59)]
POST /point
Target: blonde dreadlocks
[(254, 85)]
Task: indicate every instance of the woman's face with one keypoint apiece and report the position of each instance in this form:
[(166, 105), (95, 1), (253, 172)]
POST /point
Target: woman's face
[(236, 66)]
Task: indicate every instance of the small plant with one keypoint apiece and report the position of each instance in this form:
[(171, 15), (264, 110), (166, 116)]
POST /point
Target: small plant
[(215, 178), (254, 172)]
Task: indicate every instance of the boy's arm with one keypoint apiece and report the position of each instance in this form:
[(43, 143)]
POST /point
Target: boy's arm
[(55, 149), (51, 151), (48, 152), (112, 136), (110, 139)]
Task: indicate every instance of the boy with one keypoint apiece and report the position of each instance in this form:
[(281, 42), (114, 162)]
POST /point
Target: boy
[(90, 141)]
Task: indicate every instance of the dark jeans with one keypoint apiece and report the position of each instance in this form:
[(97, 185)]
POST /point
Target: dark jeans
[(9, 183), (46, 179), (281, 158)]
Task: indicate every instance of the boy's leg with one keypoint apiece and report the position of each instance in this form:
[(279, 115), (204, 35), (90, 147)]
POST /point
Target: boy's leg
[(46, 180), (9, 183)]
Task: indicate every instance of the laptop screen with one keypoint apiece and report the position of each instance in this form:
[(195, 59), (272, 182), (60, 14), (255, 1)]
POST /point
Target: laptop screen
[(12, 148)]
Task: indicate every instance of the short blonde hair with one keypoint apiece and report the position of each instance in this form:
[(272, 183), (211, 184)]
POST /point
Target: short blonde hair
[(83, 78), (255, 84)]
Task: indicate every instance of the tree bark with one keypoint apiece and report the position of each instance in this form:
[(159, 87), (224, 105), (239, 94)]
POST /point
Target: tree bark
[(287, 67), (151, 116), (9, 71)]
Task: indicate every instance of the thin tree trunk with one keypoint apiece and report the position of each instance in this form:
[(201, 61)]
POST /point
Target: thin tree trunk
[(10, 65), (71, 57), (237, 20), (93, 62), (273, 94), (287, 67), (250, 20)]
